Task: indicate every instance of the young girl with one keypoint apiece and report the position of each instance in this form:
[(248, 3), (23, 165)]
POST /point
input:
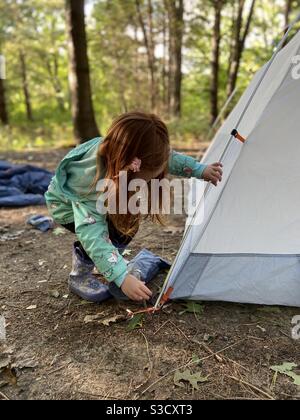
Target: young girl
[(139, 144)]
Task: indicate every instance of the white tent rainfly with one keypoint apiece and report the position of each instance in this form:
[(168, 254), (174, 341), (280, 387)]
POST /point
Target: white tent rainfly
[(247, 248)]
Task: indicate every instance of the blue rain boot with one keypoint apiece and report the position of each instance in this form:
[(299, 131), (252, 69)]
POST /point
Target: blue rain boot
[(83, 282)]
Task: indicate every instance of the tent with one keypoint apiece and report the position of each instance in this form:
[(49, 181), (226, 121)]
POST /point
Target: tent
[(247, 248)]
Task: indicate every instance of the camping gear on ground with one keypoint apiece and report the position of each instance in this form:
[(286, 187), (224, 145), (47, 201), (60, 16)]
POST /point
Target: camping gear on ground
[(84, 283), (40, 222), (247, 248), (22, 185)]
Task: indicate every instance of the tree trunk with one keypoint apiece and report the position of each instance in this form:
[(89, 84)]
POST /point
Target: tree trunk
[(57, 85), (25, 86), (85, 126), (164, 63), (3, 108), (137, 73), (240, 37), (287, 12), (150, 47), (176, 30), (215, 64)]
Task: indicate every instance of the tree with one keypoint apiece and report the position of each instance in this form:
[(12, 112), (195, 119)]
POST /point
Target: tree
[(240, 34), (3, 107), (4, 119), (215, 63), (26, 90), (47, 28), (287, 12), (176, 31), (85, 126), (149, 45)]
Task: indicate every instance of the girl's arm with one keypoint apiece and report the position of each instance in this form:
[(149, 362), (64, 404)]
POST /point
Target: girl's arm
[(92, 231), (188, 167), (182, 165)]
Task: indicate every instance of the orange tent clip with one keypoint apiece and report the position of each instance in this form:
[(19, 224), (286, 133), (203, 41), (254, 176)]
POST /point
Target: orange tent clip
[(238, 136)]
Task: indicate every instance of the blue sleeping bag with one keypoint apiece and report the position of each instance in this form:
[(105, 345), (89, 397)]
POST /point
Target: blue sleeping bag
[(22, 185)]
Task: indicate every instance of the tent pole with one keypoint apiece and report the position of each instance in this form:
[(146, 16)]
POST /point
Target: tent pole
[(208, 187)]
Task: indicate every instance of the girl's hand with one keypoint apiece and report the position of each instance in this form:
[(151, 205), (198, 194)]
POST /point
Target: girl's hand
[(135, 289), (213, 173)]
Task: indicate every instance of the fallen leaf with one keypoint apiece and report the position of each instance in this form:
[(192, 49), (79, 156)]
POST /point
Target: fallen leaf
[(126, 253), (55, 294), (207, 338), (287, 369), (187, 376), (31, 308), (92, 318), (111, 320), (4, 361), (136, 322), (59, 231), (192, 308), (196, 360), (98, 318), (173, 230)]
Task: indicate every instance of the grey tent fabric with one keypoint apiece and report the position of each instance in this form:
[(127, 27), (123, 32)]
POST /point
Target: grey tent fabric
[(237, 278)]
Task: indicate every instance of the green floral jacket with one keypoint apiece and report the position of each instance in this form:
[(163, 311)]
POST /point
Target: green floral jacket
[(70, 200)]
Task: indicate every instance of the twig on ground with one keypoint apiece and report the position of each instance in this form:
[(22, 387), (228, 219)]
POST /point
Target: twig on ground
[(24, 292), (241, 381), (190, 363), (209, 350), (285, 334), (181, 332), (218, 358), (15, 307), (148, 354), (4, 396), (150, 365), (58, 369), (105, 397), (162, 326), (256, 338)]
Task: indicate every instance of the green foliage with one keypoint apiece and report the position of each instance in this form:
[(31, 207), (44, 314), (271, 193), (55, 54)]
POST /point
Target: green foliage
[(136, 322), (192, 308), (118, 63)]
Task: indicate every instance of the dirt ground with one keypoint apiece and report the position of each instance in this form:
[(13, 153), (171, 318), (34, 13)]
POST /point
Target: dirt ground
[(52, 353)]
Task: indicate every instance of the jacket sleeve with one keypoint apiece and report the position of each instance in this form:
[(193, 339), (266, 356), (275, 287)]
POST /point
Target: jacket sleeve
[(182, 165), (92, 231)]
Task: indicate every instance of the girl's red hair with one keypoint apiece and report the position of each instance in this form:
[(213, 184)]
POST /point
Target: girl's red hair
[(133, 135)]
